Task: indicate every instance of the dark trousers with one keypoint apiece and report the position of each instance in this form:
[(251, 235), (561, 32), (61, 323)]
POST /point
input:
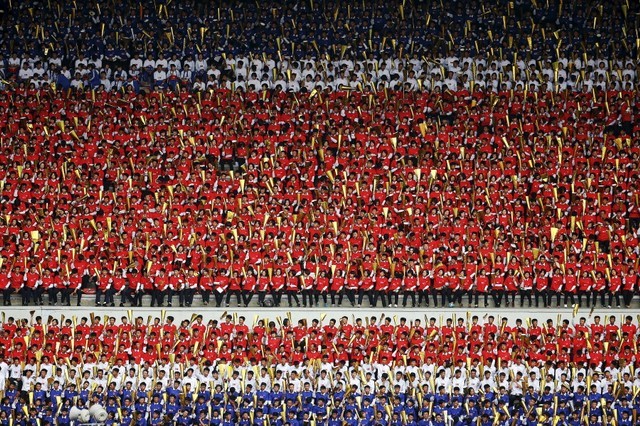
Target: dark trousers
[(65, 297), (362, 293), (6, 296), (602, 294), (262, 295), (188, 294), (136, 297), (320, 294), (393, 297), (100, 295), (78, 296), (485, 297), (36, 295), (125, 296), (558, 298), (108, 296), (456, 297), (308, 297), (423, 296), (292, 295), (170, 293), (444, 294), (276, 295), (157, 297), (587, 297), (237, 293), (569, 298), (473, 297), (351, 296), (525, 294), (379, 295), (542, 294), (510, 298), (336, 296), (52, 295), (409, 295), (219, 297), (496, 295), (206, 296), (627, 295), (615, 295), (246, 297)]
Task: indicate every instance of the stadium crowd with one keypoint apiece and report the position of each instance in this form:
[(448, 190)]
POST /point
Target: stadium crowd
[(408, 185), (307, 46), (380, 371)]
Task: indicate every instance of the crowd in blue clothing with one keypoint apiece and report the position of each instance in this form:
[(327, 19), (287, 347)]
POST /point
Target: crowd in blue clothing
[(199, 45), (339, 404)]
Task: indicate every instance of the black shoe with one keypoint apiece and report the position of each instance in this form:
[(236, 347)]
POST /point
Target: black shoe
[(122, 305)]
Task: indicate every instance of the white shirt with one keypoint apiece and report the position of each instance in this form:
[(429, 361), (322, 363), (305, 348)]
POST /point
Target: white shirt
[(159, 75), (15, 371), (27, 382)]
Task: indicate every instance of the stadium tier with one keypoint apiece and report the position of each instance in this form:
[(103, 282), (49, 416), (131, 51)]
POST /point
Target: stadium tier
[(313, 153), (343, 193), (359, 371), (381, 154)]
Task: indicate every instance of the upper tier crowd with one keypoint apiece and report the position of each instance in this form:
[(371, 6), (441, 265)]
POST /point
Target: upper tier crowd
[(313, 46), (380, 371), (400, 153)]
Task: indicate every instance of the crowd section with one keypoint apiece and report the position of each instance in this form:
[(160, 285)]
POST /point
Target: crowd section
[(358, 196), (315, 46), (501, 165), (376, 371)]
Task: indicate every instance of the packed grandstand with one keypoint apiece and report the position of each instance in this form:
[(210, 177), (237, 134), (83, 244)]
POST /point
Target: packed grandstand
[(317, 153), (377, 154), (358, 371)]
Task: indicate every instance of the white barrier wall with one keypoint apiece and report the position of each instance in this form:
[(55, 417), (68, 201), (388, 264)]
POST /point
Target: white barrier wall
[(311, 313)]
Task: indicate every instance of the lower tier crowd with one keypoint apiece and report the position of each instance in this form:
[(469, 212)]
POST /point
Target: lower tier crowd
[(372, 371)]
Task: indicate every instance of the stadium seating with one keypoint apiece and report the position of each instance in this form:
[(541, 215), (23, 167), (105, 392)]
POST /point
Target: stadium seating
[(319, 153), (360, 371), (118, 187), (408, 154)]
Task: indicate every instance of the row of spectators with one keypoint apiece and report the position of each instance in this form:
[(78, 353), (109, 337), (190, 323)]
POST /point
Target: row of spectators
[(437, 74), (371, 372)]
